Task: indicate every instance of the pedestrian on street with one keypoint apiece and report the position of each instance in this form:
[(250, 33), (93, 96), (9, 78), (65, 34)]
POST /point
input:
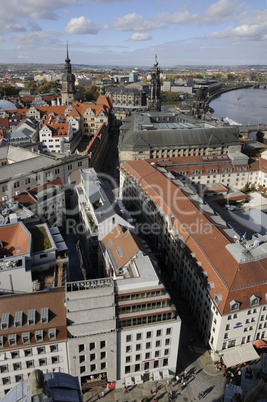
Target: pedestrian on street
[(177, 379), (102, 394), (184, 384), (199, 395), (185, 373), (125, 388), (202, 395), (168, 383), (151, 392)]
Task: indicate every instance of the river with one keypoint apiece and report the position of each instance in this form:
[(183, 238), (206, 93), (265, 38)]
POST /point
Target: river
[(246, 106)]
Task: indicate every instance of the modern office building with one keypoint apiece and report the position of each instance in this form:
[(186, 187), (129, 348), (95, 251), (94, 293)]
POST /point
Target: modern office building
[(92, 331), (148, 327)]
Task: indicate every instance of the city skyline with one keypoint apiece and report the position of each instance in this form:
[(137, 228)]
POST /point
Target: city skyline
[(127, 32)]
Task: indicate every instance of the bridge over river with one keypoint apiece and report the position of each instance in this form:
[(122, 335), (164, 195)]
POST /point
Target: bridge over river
[(261, 130)]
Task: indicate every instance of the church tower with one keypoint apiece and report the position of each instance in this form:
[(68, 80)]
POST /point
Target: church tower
[(68, 82), (154, 102)]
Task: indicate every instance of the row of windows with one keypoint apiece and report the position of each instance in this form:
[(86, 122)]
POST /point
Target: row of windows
[(147, 320), (5, 368), (16, 354), (92, 346), (147, 345), (93, 367), (141, 295), (19, 378), (148, 355), (144, 307), (145, 366), (17, 184), (149, 334), (92, 357)]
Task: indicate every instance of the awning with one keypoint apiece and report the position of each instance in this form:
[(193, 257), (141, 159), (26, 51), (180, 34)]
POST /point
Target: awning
[(239, 354), (156, 375), (166, 373), (260, 344), (128, 381), (138, 379)]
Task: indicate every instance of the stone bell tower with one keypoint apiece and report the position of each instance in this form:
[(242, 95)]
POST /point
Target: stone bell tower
[(154, 101), (68, 82)]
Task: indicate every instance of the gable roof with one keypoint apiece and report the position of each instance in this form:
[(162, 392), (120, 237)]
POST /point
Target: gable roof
[(16, 239)]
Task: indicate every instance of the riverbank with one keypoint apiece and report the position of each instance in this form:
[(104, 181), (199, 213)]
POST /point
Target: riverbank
[(222, 91), (245, 105)]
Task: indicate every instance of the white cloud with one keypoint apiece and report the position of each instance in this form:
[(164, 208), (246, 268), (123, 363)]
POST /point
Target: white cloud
[(35, 8), (83, 26), (253, 26), (218, 12), (36, 38), (135, 22), (248, 30), (10, 25), (140, 36)]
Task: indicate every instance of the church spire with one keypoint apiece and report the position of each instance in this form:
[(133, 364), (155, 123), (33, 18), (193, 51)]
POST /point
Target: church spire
[(67, 61), (154, 101), (156, 61)]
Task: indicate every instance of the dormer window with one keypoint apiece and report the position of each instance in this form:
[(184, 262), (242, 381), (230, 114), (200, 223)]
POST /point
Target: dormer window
[(234, 305), (217, 299), (254, 300), (210, 286)]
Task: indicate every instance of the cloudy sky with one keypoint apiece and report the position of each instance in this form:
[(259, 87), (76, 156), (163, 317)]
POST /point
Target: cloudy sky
[(130, 32)]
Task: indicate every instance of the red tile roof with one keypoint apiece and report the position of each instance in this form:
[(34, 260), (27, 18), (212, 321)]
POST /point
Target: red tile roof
[(52, 299), (56, 182), (13, 237), (96, 141), (202, 237)]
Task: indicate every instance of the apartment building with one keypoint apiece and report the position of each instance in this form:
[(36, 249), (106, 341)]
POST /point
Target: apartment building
[(91, 325), (95, 212), (60, 134), (33, 334), (24, 169), (147, 322), (29, 255), (229, 170), (221, 275), (49, 203)]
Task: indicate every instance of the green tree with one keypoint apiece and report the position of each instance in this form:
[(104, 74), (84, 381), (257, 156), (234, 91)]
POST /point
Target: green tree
[(31, 86), (47, 87), (8, 90), (91, 93)]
